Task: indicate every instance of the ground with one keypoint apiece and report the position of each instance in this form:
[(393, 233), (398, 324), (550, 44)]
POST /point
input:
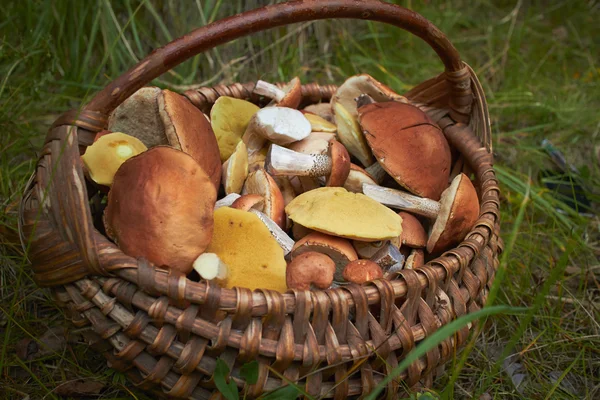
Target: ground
[(540, 68)]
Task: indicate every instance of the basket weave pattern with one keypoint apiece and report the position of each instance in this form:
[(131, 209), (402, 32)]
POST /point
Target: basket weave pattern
[(166, 331)]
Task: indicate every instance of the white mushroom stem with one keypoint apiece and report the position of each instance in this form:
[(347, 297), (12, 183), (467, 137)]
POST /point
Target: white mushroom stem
[(402, 200), (376, 171), (227, 200), (282, 161), (209, 266), (269, 90), (286, 242)]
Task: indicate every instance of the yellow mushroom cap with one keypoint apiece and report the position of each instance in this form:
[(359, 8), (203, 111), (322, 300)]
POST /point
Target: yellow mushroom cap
[(335, 211), (320, 124), (235, 169), (229, 118), (243, 242), (104, 157)]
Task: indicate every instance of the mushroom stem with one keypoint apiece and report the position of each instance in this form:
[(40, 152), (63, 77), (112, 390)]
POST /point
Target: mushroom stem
[(282, 161), (269, 90), (227, 200), (209, 266), (376, 171), (402, 200)]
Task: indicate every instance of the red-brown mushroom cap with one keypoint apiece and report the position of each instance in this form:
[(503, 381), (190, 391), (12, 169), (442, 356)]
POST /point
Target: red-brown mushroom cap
[(361, 271), (414, 259), (293, 94), (340, 164), (189, 131), (308, 269), (160, 207), (413, 233), (459, 210), (356, 178), (260, 182), (408, 145), (248, 201)]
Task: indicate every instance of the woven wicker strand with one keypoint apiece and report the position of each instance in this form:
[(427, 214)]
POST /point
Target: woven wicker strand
[(166, 331)]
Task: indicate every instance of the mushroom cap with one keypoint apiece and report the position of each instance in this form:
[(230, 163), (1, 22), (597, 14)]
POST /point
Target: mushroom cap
[(315, 143), (108, 152), (413, 233), (261, 183), (138, 116), (459, 210), (293, 94), (351, 135), (340, 164), (189, 131), (248, 201), (320, 124), (235, 169), (323, 110), (229, 118), (310, 268), (409, 146), (361, 271), (335, 211), (160, 207), (338, 249), (356, 178), (253, 257), (415, 259)]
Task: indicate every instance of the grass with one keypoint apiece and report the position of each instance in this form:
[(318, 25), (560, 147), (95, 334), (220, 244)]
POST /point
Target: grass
[(540, 68)]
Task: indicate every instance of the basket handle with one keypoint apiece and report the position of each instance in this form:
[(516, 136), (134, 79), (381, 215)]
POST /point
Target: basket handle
[(225, 30)]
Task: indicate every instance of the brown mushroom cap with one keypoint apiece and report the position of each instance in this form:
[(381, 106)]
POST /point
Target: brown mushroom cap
[(338, 249), (408, 145), (340, 164), (361, 271), (308, 269), (459, 210), (299, 231), (248, 201), (160, 207), (415, 258), (189, 131), (413, 233), (293, 94), (356, 178), (261, 183)]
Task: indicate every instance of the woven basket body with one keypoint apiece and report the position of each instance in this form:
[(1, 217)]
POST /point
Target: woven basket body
[(166, 331)]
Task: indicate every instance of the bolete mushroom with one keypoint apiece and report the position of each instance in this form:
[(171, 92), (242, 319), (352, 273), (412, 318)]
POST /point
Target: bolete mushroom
[(315, 143), (210, 267), (227, 201), (319, 124), (337, 212), (414, 259), (289, 96), (338, 249), (409, 146), (253, 257), (362, 271), (160, 207), (229, 118), (335, 165), (323, 110), (351, 136), (261, 183), (356, 178), (454, 215), (104, 157), (310, 270), (235, 169), (248, 201), (368, 249), (413, 233)]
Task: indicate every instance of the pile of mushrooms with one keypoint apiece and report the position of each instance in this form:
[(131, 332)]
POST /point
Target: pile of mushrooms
[(284, 196)]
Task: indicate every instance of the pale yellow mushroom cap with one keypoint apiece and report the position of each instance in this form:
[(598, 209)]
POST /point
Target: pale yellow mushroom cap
[(229, 118)]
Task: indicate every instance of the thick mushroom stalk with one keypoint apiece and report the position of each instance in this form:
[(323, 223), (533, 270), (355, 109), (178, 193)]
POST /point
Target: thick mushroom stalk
[(210, 267), (402, 200), (335, 165), (289, 96)]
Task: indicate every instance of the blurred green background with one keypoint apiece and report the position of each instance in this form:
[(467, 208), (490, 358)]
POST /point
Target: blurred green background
[(539, 63)]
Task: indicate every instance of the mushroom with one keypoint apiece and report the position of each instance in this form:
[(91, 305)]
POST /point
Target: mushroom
[(227, 201), (188, 130), (319, 124), (290, 96), (409, 146), (338, 249), (261, 183), (310, 270), (361, 271), (315, 143), (323, 110), (210, 267), (104, 157), (253, 257), (285, 242), (454, 215), (415, 259), (160, 207), (335, 211), (280, 125), (356, 178), (387, 256), (229, 118), (377, 172), (257, 160), (368, 249), (413, 233), (299, 231), (235, 169), (288, 193), (335, 165), (351, 136)]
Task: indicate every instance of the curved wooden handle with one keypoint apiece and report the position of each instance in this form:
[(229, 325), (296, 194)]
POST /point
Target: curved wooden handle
[(225, 30)]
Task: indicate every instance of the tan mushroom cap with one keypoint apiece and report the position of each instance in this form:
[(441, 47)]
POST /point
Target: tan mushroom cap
[(413, 233), (189, 131), (340, 164), (293, 94), (253, 257), (248, 201), (338, 249), (323, 110), (235, 170), (356, 178), (261, 183), (335, 211), (414, 258), (409, 146), (459, 210), (229, 118), (361, 271), (160, 207), (310, 269)]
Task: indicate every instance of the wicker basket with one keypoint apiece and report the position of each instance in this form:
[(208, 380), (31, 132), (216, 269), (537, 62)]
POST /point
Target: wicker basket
[(167, 331)]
